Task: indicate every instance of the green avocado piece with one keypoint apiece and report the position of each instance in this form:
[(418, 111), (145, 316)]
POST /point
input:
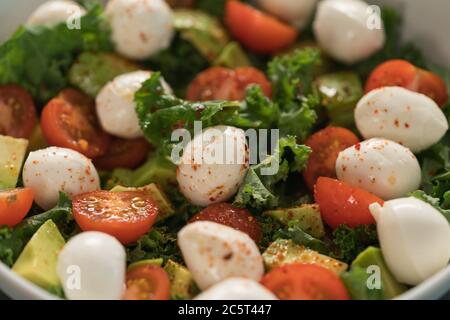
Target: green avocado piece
[(307, 216), (232, 57), (37, 262), (91, 71), (203, 31), (152, 262), (165, 206), (339, 93), (12, 154), (373, 257), (281, 252), (182, 285)]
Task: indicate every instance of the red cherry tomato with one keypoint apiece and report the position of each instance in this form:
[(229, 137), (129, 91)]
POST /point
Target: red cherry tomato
[(125, 215), (147, 283), (123, 153), (326, 145), (14, 205), (69, 121), (256, 30), (340, 203), (231, 216), (219, 83), (404, 74), (304, 282), (17, 112)]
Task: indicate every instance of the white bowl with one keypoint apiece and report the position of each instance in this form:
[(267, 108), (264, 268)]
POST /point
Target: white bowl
[(425, 22)]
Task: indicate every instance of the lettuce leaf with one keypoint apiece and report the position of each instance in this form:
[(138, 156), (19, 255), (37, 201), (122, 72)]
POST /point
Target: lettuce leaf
[(259, 190), (435, 202), (38, 58)]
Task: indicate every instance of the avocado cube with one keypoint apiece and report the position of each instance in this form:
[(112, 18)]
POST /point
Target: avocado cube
[(182, 285), (339, 93), (91, 71), (307, 217), (37, 262), (12, 154), (282, 252), (233, 56)]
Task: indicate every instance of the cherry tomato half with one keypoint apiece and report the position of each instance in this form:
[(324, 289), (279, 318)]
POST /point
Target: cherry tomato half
[(17, 112), (256, 30), (218, 83), (147, 283), (404, 74), (125, 215), (231, 216), (69, 121), (123, 153), (340, 203), (304, 282), (15, 205), (326, 145)]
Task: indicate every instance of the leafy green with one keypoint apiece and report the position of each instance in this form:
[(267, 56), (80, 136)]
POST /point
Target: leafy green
[(13, 240), (393, 48), (259, 189), (38, 58), (173, 65), (435, 202), (292, 84), (158, 243), (349, 242)]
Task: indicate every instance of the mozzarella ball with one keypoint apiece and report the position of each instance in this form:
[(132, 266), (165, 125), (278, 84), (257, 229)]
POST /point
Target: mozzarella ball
[(214, 252), (401, 115), (92, 266), (115, 104), (51, 170), (342, 30), (382, 167), (54, 12), (140, 28), (414, 238), (237, 289), (294, 12), (213, 165)]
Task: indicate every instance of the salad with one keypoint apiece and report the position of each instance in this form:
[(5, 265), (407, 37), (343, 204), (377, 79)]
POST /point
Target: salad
[(269, 149)]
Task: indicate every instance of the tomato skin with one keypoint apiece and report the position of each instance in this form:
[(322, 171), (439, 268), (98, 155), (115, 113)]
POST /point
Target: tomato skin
[(123, 153), (17, 112), (432, 86), (304, 282), (15, 205), (326, 145), (340, 203), (404, 74), (231, 216), (125, 215), (256, 30), (218, 83), (69, 121), (147, 283)]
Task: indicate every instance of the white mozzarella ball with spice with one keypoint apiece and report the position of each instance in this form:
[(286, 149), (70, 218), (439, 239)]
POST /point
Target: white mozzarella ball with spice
[(214, 252), (342, 30), (92, 266), (115, 104), (237, 289), (51, 170), (414, 238), (409, 118), (380, 166), (140, 28), (295, 12), (54, 12), (213, 165)]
